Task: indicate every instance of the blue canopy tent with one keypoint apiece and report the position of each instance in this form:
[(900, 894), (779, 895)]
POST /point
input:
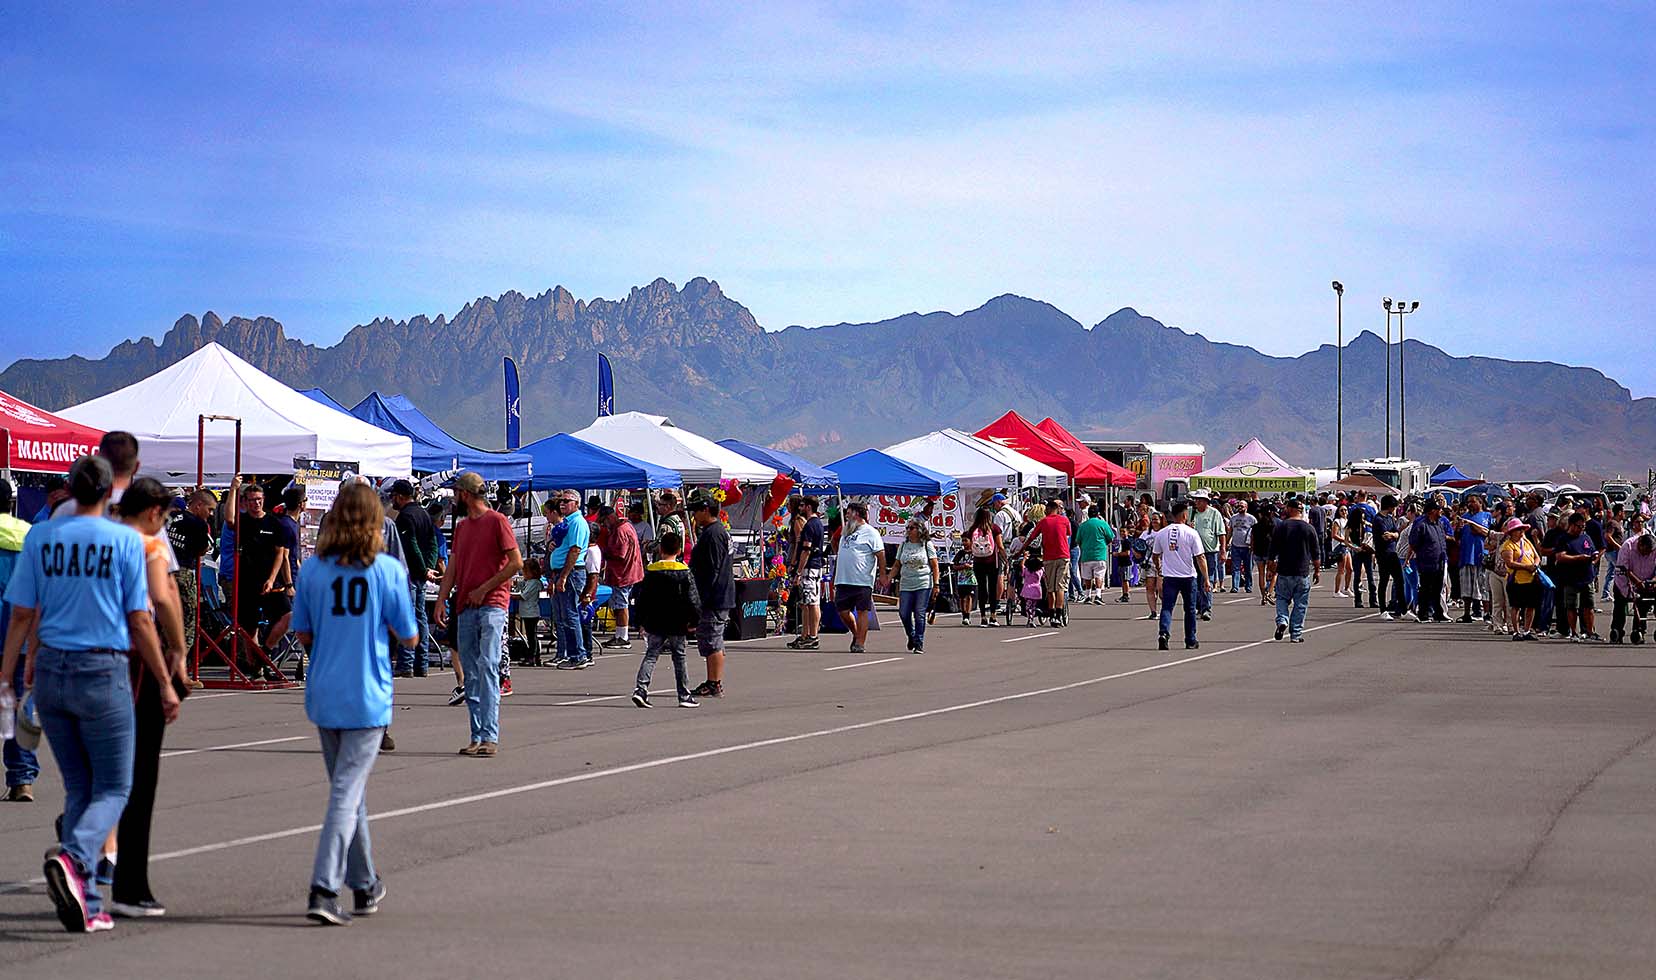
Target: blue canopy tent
[(434, 449), (565, 461), (805, 474), (318, 395), (872, 472), (1450, 473)]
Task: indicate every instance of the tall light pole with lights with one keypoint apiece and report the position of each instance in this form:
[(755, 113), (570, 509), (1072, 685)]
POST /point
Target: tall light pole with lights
[(1401, 308), (1339, 378)]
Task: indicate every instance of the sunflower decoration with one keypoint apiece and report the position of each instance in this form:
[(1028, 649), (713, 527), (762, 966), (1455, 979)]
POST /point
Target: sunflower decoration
[(719, 495)]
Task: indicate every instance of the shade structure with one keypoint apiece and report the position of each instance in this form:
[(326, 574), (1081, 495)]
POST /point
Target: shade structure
[(655, 439), (1450, 475), (1352, 482), (975, 463), (1119, 476), (1034, 473), (434, 449), (1488, 491), (805, 474), (565, 462), (1254, 468), (1018, 433), (34, 440), (318, 395), (278, 423), (873, 472)]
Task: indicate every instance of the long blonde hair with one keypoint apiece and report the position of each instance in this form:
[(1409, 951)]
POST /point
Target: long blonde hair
[(354, 528)]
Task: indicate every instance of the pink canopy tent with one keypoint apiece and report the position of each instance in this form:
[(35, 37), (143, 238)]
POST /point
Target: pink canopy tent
[(1254, 468)]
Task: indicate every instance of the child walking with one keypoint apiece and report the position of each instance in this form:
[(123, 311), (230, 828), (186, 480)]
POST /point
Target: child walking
[(668, 609)]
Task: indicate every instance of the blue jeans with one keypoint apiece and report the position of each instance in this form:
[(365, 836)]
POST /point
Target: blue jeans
[(344, 853), (1173, 588), (415, 659), (1241, 570), (912, 606), (1293, 596), (1610, 557), (1075, 586), (566, 617), (85, 702), (1204, 587), (21, 765), (477, 636), (673, 646)]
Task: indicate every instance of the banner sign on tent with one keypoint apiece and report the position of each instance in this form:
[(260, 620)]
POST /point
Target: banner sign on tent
[(890, 515), (1165, 468), (1243, 484), (321, 479)]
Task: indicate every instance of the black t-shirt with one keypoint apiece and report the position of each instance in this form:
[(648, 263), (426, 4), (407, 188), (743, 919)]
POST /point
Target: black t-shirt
[(1595, 530), (813, 543), (259, 540), (289, 540), (1552, 541), (190, 537), (419, 538), (1384, 524), (1295, 547)]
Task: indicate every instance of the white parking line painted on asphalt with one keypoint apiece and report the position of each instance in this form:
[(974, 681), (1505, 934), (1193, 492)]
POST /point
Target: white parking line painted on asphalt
[(237, 745), (865, 663), (236, 694), (607, 697), (1032, 636), (1232, 602), (672, 760)]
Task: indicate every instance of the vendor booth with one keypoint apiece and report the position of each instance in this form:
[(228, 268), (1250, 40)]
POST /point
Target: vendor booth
[(1449, 475), (1119, 476), (318, 395), (278, 424), (805, 474), (434, 449), (563, 461), (655, 439), (976, 463), (1352, 482), (1254, 469), (34, 440), (1082, 466)]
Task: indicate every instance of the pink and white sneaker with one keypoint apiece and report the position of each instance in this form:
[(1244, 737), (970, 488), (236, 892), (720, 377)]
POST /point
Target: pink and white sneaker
[(68, 892), (100, 923)]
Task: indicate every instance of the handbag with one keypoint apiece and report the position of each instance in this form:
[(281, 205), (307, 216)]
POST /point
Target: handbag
[(1133, 575), (1546, 583)]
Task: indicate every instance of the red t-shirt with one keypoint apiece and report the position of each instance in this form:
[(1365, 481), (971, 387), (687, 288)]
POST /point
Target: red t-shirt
[(1054, 532), (480, 547), (623, 562)]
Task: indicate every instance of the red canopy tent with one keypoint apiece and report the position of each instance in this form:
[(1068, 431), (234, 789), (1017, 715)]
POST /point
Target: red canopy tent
[(35, 440), (1083, 465), (1120, 476)]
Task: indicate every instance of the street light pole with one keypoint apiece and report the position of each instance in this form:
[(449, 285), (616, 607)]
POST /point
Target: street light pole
[(1339, 379), (1402, 386), (1387, 303)]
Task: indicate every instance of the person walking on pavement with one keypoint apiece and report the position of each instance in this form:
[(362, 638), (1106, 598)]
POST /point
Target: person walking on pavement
[(1296, 562), (623, 569), (1055, 534), (22, 766), (1431, 551), (859, 564), (669, 607), (481, 565), (1181, 566), (808, 561), (418, 537), (715, 585), (351, 599), (1209, 525), (567, 543), (917, 581)]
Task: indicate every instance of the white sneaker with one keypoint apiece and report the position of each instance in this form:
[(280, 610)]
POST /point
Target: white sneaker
[(1387, 617)]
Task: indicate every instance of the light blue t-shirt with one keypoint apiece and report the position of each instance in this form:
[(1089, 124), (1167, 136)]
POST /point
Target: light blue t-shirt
[(574, 532), (350, 613), (857, 557), (84, 575)]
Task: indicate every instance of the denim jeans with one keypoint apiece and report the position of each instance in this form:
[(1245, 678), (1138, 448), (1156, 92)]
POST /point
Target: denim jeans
[(477, 636), (912, 606), (654, 647), (1075, 586), (1173, 588), (1293, 594), (1241, 570), (566, 617), (1610, 557), (21, 765), (1204, 586), (85, 702), (415, 659), (344, 853)]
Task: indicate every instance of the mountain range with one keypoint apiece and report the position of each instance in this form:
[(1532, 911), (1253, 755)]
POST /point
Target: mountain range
[(700, 357)]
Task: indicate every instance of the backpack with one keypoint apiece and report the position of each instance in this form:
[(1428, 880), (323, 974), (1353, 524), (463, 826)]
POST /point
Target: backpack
[(983, 544)]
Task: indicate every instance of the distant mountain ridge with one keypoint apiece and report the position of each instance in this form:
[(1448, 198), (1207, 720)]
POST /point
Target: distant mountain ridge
[(700, 357)]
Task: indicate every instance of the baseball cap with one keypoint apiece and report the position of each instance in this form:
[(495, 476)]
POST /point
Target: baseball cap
[(402, 488), (699, 500), (999, 498), (469, 482)]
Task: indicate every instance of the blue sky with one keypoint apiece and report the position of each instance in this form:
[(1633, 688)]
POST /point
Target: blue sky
[(1212, 165)]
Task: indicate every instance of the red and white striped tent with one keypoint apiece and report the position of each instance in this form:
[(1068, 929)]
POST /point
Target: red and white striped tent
[(37, 441)]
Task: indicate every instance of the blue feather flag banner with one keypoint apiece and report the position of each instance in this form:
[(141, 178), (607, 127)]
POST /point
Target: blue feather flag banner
[(511, 404), (606, 387)]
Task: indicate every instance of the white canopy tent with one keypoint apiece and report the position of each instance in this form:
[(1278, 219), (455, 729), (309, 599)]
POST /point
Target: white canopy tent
[(278, 423), (977, 463), (655, 439)]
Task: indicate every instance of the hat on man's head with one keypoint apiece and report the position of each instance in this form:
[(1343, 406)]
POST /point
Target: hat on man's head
[(999, 498), (700, 499), (402, 488), (1199, 495), (470, 482)]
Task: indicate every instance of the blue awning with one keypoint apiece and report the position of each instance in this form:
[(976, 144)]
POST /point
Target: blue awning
[(805, 474), (318, 395), (565, 462), (1449, 473), (873, 472), (434, 449)]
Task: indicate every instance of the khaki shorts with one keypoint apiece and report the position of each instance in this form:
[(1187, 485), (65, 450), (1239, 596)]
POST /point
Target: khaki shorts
[(1054, 577), (1091, 570)]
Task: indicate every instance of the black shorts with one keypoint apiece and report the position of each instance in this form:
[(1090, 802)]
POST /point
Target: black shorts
[(269, 607), (858, 598), (1523, 596)]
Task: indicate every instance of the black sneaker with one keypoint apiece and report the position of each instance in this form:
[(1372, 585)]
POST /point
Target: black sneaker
[(1161, 642), (710, 689), (804, 643), (366, 901), (325, 909), (421, 673), (616, 643), (387, 743), (149, 908), (1281, 629), (641, 698), (1193, 645), (457, 696), (689, 702)]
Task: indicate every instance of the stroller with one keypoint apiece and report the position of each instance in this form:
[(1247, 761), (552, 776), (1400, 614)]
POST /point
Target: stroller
[(1640, 603)]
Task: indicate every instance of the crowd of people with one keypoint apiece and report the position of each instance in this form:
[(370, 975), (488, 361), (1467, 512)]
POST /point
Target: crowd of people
[(99, 601)]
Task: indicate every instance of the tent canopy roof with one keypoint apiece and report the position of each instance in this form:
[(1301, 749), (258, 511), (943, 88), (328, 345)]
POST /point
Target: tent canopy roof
[(1254, 467), (563, 461), (1450, 473), (873, 472), (977, 463), (1358, 481), (434, 449), (654, 439), (35, 440), (1119, 476), (318, 395), (803, 472), (278, 423), (1018, 433)]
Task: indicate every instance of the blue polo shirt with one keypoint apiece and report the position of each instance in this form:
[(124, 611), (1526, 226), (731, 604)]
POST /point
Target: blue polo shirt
[(572, 532), (350, 613), (84, 575)]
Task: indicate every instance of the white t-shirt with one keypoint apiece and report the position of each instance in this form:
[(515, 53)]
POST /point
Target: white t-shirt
[(1178, 545), (1006, 520), (594, 560)]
